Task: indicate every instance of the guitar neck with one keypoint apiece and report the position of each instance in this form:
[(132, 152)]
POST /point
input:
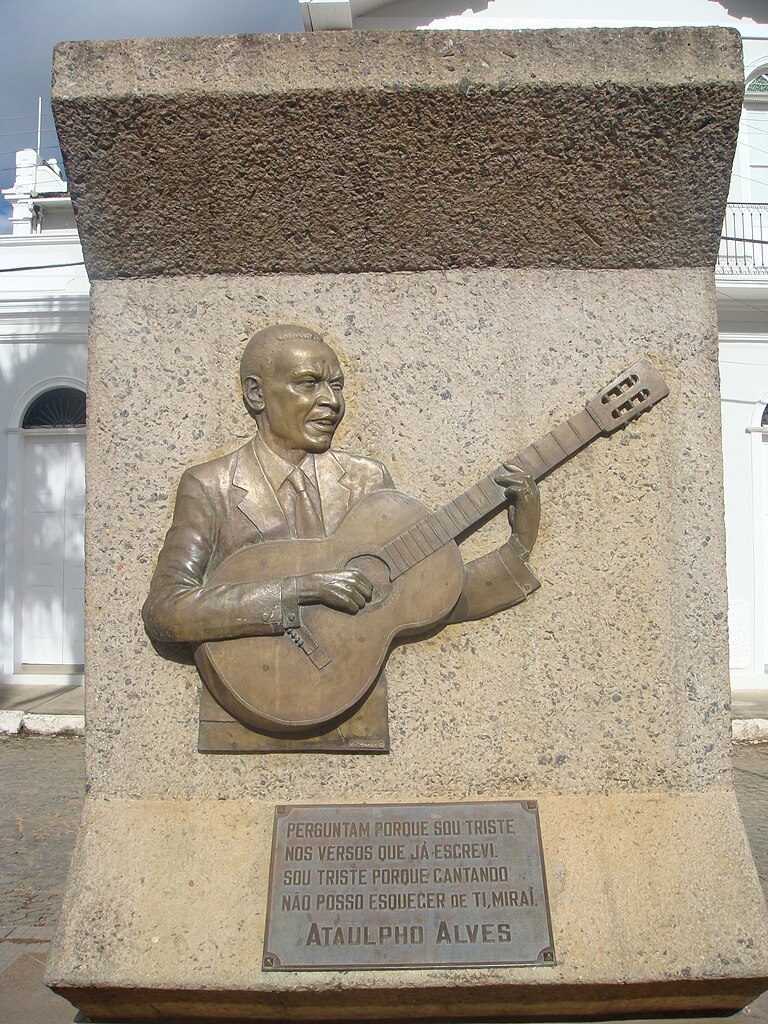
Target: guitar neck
[(486, 497)]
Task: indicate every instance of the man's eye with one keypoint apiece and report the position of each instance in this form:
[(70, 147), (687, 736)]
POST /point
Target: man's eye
[(337, 385)]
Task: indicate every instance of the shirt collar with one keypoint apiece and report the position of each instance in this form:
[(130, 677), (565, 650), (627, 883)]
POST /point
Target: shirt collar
[(277, 469)]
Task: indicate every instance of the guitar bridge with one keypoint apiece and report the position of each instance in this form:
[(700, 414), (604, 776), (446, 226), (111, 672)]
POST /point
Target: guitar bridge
[(306, 642)]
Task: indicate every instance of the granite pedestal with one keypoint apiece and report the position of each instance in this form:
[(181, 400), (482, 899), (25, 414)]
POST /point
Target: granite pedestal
[(487, 227)]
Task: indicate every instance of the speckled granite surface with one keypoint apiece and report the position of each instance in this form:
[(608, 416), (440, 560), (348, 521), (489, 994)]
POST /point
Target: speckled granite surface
[(612, 677)]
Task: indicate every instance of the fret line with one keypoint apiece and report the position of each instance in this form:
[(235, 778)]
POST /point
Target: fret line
[(549, 450), (567, 438), (559, 444), (466, 503), (402, 552), (440, 532), (530, 461), (446, 522), (449, 509), (417, 538), (414, 554), (491, 492), (470, 496), (395, 559), (585, 427), (486, 502), (428, 535)]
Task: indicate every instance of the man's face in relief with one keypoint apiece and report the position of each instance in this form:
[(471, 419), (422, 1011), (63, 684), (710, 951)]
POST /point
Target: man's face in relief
[(301, 392)]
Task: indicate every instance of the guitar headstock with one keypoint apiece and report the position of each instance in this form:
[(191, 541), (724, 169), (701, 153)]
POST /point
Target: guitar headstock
[(628, 396)]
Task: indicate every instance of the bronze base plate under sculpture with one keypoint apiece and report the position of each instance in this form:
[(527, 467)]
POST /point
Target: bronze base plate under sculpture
[(363, 731)]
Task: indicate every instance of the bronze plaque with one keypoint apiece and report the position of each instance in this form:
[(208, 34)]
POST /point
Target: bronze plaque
[(366, 887)]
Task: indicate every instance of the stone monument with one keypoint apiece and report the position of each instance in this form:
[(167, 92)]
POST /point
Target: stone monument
[(485, 228)]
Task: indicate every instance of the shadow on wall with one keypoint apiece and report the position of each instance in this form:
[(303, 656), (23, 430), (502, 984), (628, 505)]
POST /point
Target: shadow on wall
[(754, 9), (25, 363), (52, 571), (47, 491)]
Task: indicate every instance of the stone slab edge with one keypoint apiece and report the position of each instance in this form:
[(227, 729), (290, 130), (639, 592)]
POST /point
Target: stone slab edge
[(10, 722), (351, 152), (53, 725), (613, 899), (750, 730), (15, 723), (380, 60)]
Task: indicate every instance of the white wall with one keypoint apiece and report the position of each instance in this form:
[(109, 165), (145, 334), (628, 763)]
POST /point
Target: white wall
[(43, 343), (744, 388), (496, 14)]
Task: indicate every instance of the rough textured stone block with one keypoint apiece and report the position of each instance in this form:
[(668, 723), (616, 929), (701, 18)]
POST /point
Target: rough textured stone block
[(382, 151), (604, 696)]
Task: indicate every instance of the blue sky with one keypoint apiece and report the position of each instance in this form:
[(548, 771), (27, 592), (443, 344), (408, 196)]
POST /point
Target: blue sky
[(30, 28)]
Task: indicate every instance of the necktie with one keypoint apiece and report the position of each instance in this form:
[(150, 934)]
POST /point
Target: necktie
[(308, 520)]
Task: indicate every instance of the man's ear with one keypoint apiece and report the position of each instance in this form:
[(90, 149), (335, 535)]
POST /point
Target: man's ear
[(253, 395)]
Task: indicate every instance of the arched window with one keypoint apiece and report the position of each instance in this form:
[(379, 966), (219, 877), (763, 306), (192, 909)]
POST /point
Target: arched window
[(758, 85), (754, 124), (56, 409)]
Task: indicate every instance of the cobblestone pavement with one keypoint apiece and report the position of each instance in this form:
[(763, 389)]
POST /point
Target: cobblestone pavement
[(41, 794), (42, 783)]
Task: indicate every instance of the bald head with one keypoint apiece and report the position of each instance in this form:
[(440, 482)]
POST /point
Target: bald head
[(265, 346)]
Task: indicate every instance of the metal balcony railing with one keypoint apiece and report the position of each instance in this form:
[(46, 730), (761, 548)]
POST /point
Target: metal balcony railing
[(744, 242)]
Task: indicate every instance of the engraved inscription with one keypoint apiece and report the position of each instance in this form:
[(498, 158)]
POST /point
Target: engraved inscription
[(407, 885)]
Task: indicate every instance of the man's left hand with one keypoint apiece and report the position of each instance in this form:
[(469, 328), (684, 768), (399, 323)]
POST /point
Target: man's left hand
[(525, 506)]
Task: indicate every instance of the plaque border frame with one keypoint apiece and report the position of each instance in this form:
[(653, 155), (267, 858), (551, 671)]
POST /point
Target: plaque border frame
[(547, 958)]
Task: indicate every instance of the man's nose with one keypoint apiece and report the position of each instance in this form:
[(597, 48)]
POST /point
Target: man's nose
[(328, 396)]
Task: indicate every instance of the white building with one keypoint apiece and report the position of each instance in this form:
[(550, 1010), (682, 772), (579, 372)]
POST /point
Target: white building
[(742, 271), (43, 334), (742, 300)]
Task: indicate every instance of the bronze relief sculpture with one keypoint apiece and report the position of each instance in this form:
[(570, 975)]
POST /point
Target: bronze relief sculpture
[(285, 530), (288, 564)]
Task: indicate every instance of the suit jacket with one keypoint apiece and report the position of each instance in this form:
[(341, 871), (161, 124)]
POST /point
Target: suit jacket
[(226, 504), (223, 506)]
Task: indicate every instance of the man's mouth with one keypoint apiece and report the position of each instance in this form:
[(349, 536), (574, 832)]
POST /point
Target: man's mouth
[(326, 423)]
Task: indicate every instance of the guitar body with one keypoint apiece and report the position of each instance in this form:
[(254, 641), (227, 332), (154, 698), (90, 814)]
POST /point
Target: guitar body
[(271, 683)]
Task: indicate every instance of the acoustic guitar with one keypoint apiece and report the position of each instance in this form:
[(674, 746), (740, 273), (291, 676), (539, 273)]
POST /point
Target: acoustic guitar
[(327, 662)]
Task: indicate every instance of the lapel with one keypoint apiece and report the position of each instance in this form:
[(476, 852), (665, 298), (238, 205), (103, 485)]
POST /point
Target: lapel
[(259, 502), (334, 490)]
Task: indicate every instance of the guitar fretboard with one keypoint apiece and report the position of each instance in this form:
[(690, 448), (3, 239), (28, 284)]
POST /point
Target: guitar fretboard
[(486, 497)]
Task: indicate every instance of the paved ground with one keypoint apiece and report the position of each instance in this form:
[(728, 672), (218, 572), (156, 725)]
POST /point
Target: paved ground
[(44, 697), (41, 792)]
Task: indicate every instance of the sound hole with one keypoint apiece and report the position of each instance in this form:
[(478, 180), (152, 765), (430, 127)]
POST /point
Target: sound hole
[(377, 572)]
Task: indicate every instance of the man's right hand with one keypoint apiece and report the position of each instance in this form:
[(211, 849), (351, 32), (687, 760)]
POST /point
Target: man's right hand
[(348, 590)]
